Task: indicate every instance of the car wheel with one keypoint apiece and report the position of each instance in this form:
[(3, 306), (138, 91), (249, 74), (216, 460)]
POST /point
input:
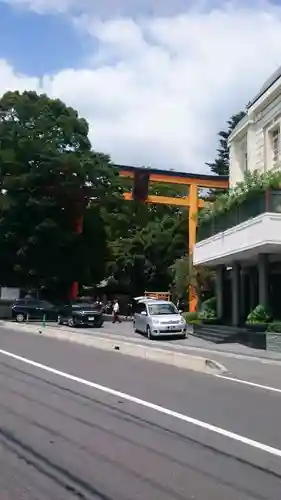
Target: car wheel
[(71, 322), (148, 332), (20, 318), (99, 323), (59, 320)]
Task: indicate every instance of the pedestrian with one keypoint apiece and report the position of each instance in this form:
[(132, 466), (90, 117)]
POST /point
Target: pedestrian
[(129, 310), (116, 310)]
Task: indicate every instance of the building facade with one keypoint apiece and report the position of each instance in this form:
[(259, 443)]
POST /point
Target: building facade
[(245, 246)]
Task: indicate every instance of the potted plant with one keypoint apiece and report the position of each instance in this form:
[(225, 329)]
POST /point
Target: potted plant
[(258, 319)]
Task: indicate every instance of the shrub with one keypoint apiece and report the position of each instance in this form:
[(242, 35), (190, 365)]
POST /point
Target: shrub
[(192, 318), (208, 310), (275, 326), (210, 303), (258, 315)]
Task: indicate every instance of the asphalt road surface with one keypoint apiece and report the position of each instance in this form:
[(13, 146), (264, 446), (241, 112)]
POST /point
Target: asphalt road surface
[(78, 423)]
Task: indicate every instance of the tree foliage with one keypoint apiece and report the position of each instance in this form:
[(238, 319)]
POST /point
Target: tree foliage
[(49, 177), (185, 276), (141, 260), (220, 166)]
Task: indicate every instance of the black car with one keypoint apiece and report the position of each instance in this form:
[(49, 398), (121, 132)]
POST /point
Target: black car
[(81, 313), (32, 309)]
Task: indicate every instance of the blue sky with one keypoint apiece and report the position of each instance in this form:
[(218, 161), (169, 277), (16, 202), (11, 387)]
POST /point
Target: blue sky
[(156, 79), (38, 44)]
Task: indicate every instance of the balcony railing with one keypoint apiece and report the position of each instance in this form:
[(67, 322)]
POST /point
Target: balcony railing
[(256, 204)]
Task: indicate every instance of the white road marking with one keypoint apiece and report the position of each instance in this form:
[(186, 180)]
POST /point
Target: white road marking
[(252, 384), (147, 404)]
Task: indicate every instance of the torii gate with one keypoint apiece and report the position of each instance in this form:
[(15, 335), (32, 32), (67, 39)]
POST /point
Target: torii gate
[(191, 201)]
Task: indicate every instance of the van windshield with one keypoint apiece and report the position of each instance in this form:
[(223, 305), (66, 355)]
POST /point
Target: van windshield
[(158, 309)]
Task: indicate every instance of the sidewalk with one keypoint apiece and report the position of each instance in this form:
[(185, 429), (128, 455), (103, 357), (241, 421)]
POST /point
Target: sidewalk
[(232, 349), (193, 342)]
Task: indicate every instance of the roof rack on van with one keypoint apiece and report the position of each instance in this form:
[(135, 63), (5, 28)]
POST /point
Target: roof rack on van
[(158, 295)]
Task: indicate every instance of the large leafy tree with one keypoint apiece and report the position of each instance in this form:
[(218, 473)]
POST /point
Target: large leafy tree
[(220, 166), (144, 240), (185, 276), (142, 260), (49, 179)]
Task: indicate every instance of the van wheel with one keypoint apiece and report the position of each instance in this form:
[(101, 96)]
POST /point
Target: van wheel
[(148, 333), (20, 318)]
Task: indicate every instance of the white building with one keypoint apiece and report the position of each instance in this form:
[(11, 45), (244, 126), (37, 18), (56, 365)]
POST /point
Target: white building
[(247, 250)]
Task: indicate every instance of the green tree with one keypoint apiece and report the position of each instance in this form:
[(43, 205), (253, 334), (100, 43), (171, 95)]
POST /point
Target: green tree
[(185, 275), (141, 262), (49, 179), (144, 240), (221, 164)]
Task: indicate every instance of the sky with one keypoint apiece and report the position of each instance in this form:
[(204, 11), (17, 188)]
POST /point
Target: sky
[(156, 79)]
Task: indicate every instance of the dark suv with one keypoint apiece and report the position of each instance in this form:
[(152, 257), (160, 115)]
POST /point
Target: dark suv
[(81, 312), (23, 309)]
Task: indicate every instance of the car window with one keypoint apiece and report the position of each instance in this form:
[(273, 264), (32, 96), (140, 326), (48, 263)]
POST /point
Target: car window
[(140, 307), (32, 303), (44, 303), (20, 302), (161, 309)]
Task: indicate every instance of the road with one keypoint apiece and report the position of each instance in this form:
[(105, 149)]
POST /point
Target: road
[(240, 361), (79, 423)]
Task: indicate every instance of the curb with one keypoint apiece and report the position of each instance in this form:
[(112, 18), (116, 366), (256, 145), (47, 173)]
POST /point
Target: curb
[(173, 358)]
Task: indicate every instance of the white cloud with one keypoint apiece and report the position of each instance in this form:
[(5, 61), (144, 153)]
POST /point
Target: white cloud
[(159, 89)]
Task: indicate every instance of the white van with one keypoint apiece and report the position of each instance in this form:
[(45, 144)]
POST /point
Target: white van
[(158, 318)]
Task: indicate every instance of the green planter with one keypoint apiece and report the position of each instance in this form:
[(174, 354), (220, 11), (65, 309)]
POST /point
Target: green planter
[(273, 341)]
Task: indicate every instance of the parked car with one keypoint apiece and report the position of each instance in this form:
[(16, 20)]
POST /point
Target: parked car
[(28, 308), (81, 313), (158, 318)]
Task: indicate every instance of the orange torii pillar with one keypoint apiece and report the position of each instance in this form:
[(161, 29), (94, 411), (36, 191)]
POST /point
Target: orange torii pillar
[(191, 201)]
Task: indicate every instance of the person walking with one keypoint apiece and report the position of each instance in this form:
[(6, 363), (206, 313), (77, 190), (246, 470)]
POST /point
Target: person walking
[(129, 310), (116, 310)]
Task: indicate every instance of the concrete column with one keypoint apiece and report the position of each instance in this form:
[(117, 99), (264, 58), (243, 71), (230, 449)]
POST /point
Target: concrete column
[(236, 298), (252, 289), (219, 290), (243, 295), (263, 279)]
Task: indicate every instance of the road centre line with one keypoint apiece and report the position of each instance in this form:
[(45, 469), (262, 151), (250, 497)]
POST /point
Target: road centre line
[(146, 404)]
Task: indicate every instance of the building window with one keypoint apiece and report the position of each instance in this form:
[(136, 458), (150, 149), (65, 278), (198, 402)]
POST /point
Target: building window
[(275, 145)]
